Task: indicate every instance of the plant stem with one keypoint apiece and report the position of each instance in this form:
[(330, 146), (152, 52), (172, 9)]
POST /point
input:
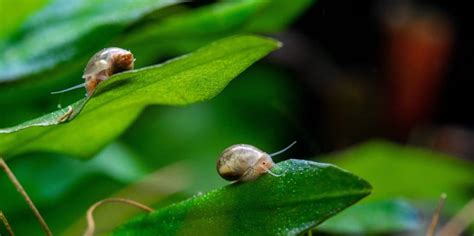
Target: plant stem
[(436, 215), (3, 219), (460, 221), (90, 218), (16, 183)]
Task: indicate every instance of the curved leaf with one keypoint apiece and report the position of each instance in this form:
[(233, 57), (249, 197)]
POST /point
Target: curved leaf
[(117, 102), (306, 194)]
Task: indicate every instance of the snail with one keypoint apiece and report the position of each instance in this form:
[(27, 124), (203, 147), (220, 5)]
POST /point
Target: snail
[(101, 66), (243, 162)]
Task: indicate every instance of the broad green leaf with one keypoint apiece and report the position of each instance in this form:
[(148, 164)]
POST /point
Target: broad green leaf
[(69, 28), (408, 172), (377, 217), (171, 34), (306, 194), (117, 102)]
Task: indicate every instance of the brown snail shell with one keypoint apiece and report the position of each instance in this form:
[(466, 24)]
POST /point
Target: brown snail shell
[(243, 162), (104, 64), (101, 66)]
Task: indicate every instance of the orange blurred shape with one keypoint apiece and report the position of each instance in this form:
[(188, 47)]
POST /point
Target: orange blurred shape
[(418, 46)]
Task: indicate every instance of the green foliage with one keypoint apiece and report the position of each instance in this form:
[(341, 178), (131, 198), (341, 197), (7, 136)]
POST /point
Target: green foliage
[(305, 195), (408, 172), (377, 217), (163, 33), (155, 140), (117, 102), (71, 27), (414, 174), (13, 19), (63, 188), (184, 32)]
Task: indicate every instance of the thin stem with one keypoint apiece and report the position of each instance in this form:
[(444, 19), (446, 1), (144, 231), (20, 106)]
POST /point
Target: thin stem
[(90, 218), (436, 215), (460, 221), (22, 191), (3, 219)]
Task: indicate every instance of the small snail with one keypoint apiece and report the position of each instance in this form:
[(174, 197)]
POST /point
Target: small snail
[(243, 162), (101, 66)]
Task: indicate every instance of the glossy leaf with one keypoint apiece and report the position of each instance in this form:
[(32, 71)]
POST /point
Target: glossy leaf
[(306, 194), (117, 102)]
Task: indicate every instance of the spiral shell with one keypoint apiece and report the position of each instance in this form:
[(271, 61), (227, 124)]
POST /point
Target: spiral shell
[(104, 64), (243, 162)]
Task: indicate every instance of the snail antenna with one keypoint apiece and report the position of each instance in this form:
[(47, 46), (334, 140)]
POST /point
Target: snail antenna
[(283, 150), (69, 89)]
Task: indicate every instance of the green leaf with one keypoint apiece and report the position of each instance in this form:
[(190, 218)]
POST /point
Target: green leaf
[(378, 217), (71, 28), (305, 195), (96, 23), (150, 39), (408, 172), (117, 102)]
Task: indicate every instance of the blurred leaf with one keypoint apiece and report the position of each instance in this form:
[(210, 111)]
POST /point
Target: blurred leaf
[(185, 32), (12, 19), (63, 188), (408, 172), (305, 195), (71, 27), (277, 15), (47, 187), (378, 217), (192, 78), (155, 188)]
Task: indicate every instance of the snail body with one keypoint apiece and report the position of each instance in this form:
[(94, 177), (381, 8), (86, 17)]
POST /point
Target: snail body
[(102, 65), (243, 162)]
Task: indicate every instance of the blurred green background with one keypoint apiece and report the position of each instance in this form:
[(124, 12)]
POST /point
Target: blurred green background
[(375, 87)]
